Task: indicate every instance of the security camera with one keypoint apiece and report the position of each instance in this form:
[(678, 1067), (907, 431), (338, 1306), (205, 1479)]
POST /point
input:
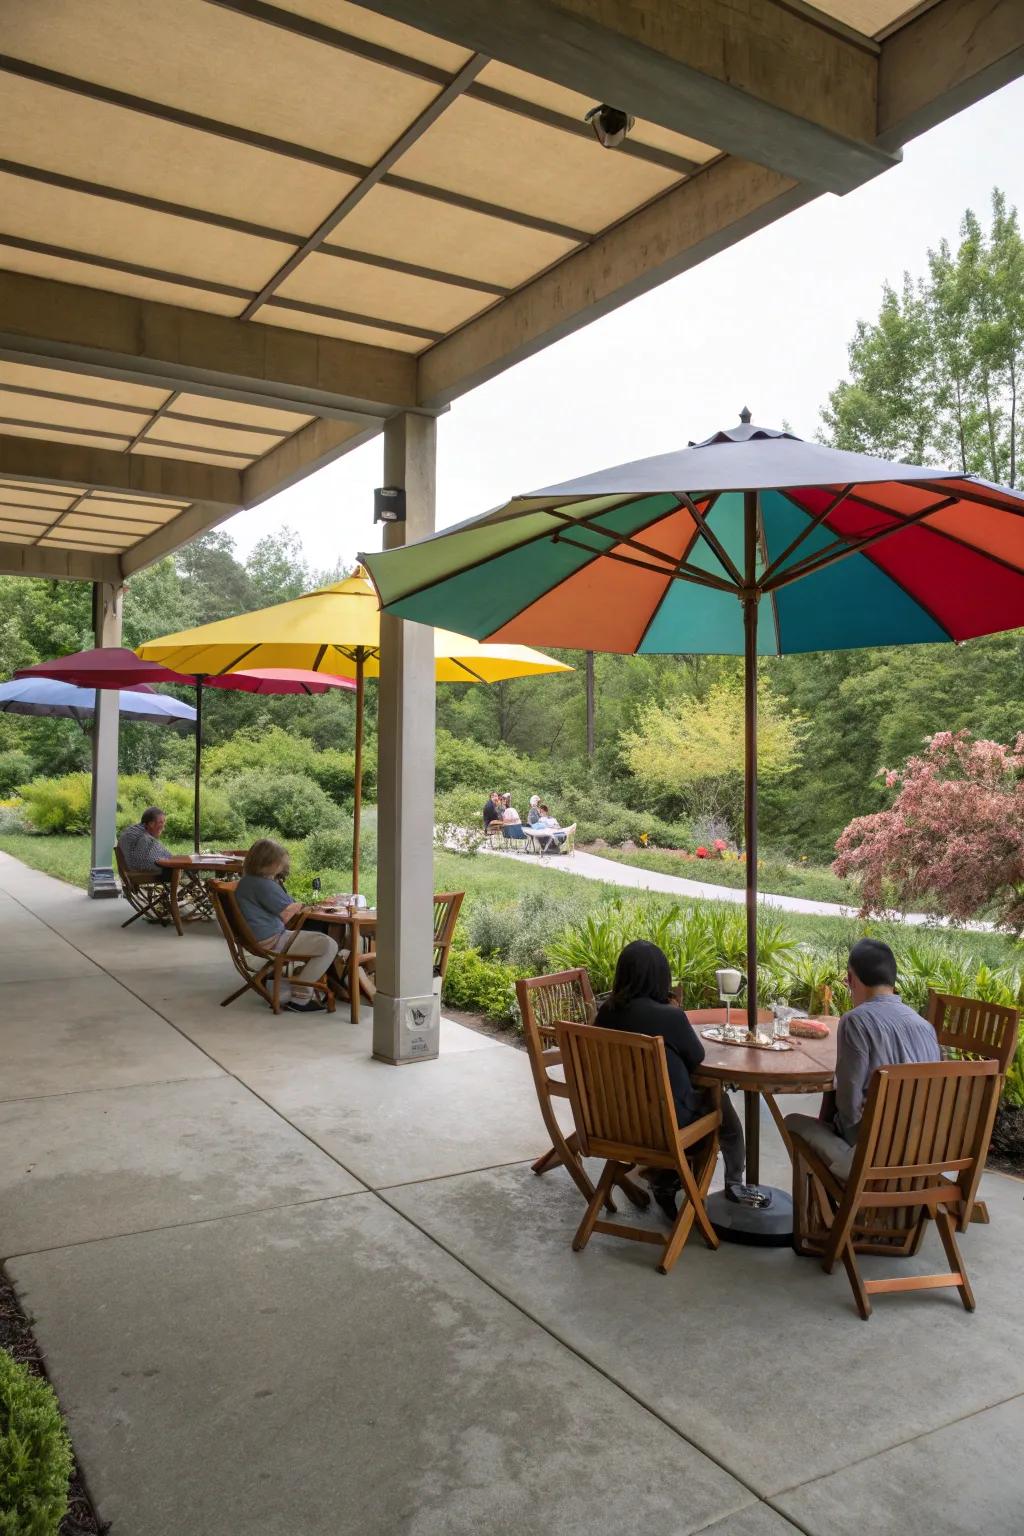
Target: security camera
[(610, 125)]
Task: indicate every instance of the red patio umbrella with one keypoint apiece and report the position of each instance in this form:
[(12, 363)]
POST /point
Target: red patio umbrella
[(110, 667)]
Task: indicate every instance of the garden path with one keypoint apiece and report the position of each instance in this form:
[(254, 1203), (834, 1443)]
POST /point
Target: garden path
[(592, 867)]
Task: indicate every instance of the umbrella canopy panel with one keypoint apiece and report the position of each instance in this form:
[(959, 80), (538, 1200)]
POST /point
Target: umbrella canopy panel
[(50, 697)]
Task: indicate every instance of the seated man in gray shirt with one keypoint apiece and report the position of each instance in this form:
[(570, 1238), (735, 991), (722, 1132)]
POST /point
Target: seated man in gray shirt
[(140, 845), (878, 1031)]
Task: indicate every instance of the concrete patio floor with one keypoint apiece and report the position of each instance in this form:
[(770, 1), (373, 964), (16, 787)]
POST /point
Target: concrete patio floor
[(283, 1288)]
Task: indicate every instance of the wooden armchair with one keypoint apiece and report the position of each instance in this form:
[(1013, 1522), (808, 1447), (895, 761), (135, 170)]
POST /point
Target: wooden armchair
[(446, 915), (624, 1112), (920, 1152), (250, 957), (146, 893), (970, 1030), (542, 1001)]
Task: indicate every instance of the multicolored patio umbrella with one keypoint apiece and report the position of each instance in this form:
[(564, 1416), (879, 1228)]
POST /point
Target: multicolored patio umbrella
[(751, 543), (335, 629)]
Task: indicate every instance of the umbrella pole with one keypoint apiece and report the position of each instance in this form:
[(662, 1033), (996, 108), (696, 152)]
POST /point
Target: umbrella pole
[(199, 761), (750, 599), (358, 771)]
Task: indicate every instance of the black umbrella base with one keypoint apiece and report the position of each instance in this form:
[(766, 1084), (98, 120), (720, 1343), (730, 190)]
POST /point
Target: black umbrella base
[(758, 1226)]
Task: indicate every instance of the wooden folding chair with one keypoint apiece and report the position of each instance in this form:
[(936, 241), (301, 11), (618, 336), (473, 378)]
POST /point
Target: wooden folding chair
[(146, 893), (970, 1030), (446, 915), (543, 1000), (624, 1112), (920, 1152), (251, 959)]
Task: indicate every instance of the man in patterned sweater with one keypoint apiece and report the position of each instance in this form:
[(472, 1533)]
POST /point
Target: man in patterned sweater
[(140, 845)]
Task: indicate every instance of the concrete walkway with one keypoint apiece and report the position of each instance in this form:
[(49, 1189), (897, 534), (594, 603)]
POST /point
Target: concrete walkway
[(592, 867), (282, 1288)]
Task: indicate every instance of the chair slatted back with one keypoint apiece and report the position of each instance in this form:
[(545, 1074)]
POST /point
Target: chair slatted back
[(130, 877), (446, 915), (975, 1030), (924, 1121), (545, 999), (239, 936), (620, 1092)]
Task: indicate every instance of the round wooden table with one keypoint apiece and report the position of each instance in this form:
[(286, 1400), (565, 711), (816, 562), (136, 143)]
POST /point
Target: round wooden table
[(808, 1067), (187, 871)]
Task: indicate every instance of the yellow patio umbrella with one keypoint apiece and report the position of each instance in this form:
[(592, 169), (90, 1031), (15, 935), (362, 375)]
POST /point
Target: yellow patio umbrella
[(336, 630)]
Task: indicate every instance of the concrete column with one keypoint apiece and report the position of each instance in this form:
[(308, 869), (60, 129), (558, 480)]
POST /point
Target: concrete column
[(406, 1012), (107, 600)]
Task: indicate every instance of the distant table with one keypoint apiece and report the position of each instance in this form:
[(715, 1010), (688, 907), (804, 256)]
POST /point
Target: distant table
[(362, 927), (189, 872), (809, 1067)]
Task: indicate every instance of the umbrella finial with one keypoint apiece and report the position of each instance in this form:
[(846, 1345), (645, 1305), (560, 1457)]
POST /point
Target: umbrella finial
[(745, 416)]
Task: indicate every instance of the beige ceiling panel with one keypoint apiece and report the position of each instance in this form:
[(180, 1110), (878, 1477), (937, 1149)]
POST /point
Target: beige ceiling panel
[(100, 227), (517, 163), (84, 275), (15, 536), (155, 506), (386, 295), (220, 64), (322, 325), (58, 435), (172, 451), (239, 411), (557, 98), (47, 501), (26, 516), (403, 225), (870, 16), (379, 29), (96, 142), (77, 540), (123, 527), (57, 380), (41, 408), (225, 439)]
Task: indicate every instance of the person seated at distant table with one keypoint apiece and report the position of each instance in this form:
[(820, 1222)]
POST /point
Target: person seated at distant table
[(533, 814), (140, 845), (493, 809), (267, 907), (641, 1003), (511, 821), (546, 823), (878, 1031)]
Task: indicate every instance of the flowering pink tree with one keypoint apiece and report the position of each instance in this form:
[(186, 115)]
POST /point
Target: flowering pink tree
[(955, 833)]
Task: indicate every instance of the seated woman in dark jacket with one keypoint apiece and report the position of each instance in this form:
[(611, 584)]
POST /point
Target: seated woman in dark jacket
[(640, 1003)]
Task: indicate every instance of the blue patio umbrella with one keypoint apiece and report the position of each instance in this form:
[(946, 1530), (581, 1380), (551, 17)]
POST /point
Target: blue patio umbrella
[(48, 696)]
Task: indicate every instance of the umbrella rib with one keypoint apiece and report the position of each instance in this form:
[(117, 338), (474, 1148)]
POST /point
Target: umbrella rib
[(710, 538), (977, 495), (621, 538), (805, 533), (953, 538), (699, 578), (762, 538), (834, 554)]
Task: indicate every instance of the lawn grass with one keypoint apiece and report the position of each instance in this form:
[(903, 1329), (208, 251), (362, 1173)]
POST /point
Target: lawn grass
[(774, 876), (491, 881)]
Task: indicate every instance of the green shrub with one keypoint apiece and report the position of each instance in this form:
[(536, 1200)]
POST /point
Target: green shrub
[(479, 985), (460, 761), (59, 805), (521, 932), (328, 848), (35, 1454), (220, 819), (458, 825), (291, 803), (12, 819), (15, 769)]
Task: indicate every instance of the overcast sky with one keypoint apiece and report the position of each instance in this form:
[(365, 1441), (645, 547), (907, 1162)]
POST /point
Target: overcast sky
[(764, 324)]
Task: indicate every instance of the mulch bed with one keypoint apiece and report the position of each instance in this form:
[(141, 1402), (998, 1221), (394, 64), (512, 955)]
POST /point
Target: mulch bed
[(17, 1337), (1007, 1151)]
